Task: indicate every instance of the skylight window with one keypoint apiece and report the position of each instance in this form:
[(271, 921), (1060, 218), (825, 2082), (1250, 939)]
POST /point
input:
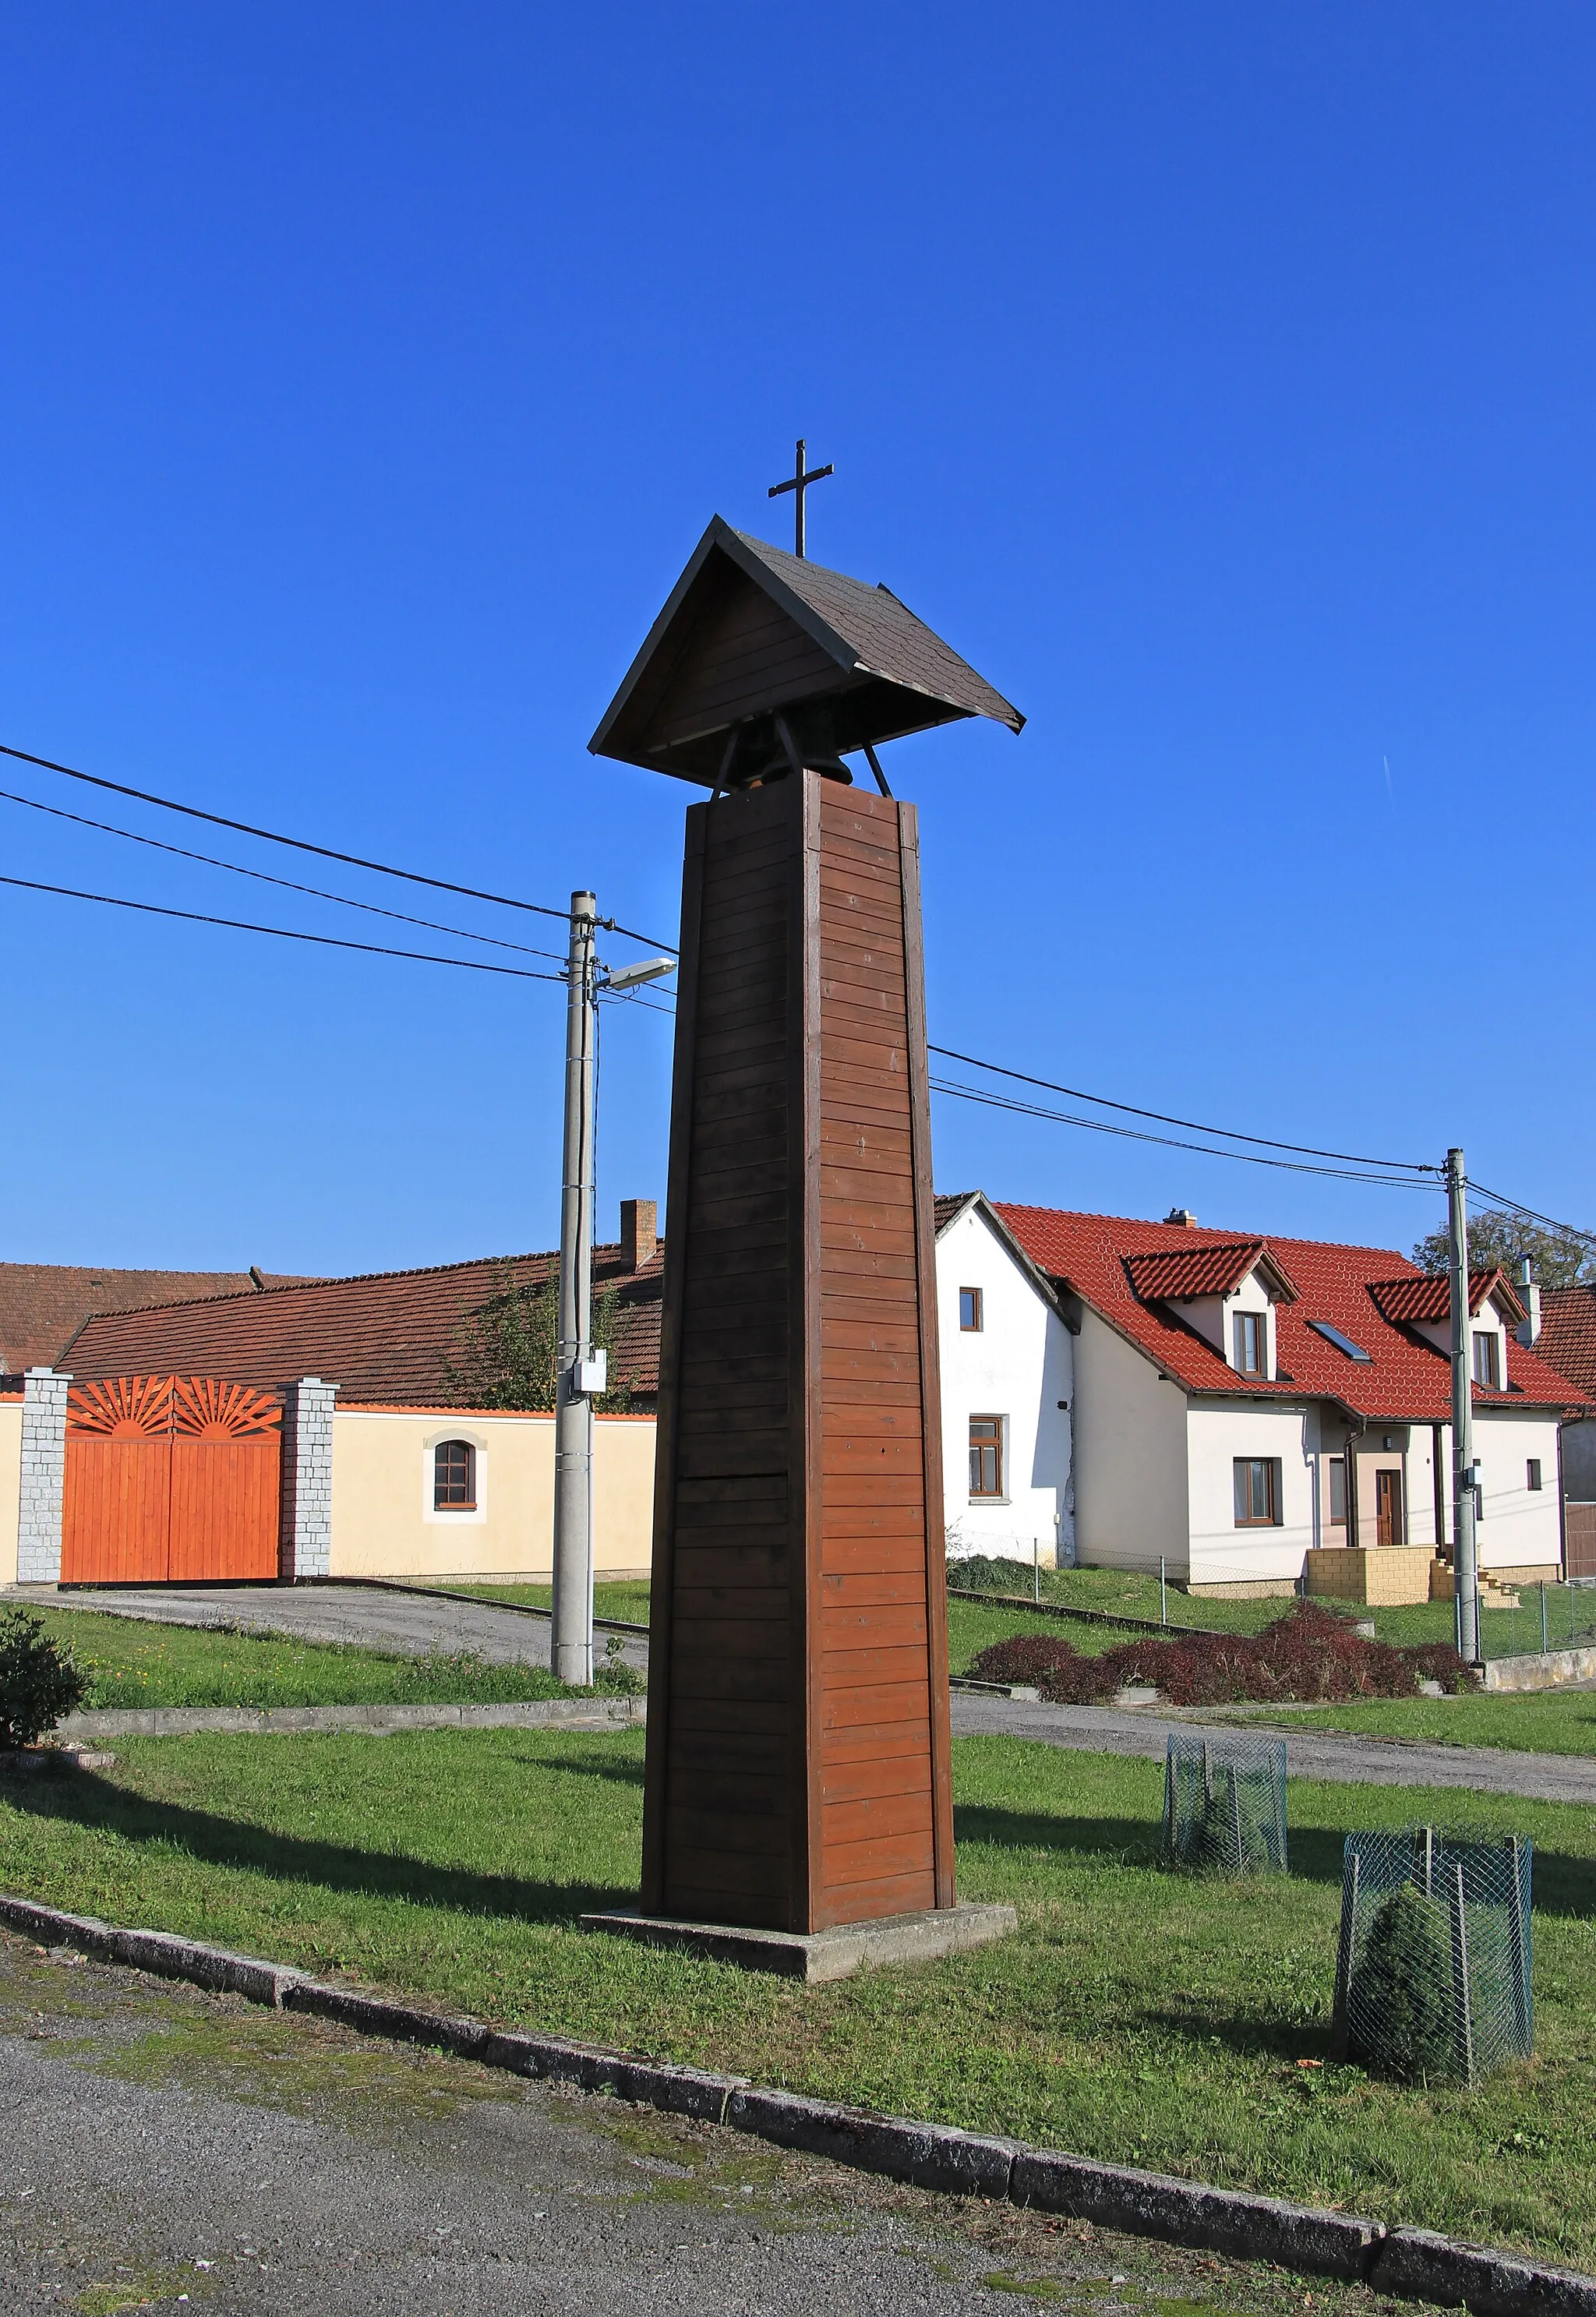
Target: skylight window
[(1343, 1343)]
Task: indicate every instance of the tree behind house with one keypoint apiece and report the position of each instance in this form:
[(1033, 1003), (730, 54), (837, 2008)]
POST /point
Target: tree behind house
[(1561, 1258), (506, 1354)]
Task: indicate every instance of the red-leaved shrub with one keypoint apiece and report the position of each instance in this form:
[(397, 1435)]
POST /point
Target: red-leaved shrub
[(1310, 1655)]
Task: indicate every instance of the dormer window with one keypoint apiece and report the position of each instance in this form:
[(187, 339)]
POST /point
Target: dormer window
[(1487, 1359), (1250, 1337)]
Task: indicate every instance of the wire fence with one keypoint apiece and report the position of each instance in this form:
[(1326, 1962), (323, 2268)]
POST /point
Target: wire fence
[(1432, 1975), (1224, 1804), (1532, 1618)]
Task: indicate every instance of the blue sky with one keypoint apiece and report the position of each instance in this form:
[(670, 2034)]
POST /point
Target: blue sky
[(1219, 381)]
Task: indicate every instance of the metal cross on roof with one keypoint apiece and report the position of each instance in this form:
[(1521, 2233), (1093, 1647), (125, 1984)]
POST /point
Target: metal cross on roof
[(798, 484)]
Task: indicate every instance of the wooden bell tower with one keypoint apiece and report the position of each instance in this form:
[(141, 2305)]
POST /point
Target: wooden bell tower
[(798, 1762)]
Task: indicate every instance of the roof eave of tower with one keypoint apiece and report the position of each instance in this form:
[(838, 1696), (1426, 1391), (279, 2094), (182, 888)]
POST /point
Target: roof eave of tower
[(751, 558)]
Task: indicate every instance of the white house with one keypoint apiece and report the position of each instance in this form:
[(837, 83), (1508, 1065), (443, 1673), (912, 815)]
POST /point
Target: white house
[(1225, 1404)]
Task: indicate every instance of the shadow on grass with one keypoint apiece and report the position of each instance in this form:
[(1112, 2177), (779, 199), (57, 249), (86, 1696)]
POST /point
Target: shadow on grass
[(1563, 1884), (93, 1802)]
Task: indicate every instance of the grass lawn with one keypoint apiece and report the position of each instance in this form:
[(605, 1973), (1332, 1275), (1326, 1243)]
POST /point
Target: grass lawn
[(136, 1662), (1544, 1722), (1138, 2015), (629, 1603)]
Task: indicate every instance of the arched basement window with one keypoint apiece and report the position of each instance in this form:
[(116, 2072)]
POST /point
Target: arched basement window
[(454, 1476)]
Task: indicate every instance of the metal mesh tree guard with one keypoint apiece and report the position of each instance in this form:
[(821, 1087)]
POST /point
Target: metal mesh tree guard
[(1225, 1804), (1432, 1971)]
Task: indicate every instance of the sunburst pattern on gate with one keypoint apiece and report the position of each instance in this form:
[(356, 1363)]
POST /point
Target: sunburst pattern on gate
[(126, 1407), (207, 1409)]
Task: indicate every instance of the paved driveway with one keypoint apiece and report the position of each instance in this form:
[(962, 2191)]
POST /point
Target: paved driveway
[(164, 2149), (411, 1623), (1309, 1754), (422, 1623)]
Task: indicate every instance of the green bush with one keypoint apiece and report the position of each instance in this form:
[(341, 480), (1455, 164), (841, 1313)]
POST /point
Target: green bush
[(1403, 1992), (39, 1682)]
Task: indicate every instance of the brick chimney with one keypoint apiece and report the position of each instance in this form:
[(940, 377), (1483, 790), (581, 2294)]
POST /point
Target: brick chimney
[(1181, 1215), (639, 1232)]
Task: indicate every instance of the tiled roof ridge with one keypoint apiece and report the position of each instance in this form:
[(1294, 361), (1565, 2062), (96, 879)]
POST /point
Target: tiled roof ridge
[(361, 1279), (1195, 1234)]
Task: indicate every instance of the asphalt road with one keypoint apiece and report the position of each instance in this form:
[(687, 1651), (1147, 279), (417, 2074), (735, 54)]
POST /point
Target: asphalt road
[(415, 1621), (1309, 1754), (374, 1618), (163, 2149)]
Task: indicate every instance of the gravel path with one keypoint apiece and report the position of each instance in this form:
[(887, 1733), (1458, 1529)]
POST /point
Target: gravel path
[(161, 2148), (413, 1624), (1309, 1754)]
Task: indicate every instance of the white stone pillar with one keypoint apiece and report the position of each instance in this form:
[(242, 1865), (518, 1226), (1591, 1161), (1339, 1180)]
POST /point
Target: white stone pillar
[(43, 1474), (305, 1540)]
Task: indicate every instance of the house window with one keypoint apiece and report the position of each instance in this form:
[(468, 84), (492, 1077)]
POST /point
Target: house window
[(970, 1318), (454, 1476), (1533, 1470), (1338, 1493), (1257, 1492), (1252, 1342), (986, 1455), (1487, 1368)]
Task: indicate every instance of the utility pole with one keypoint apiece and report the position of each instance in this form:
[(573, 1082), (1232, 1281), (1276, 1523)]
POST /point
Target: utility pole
[(575, 1370), (1465, 1580)]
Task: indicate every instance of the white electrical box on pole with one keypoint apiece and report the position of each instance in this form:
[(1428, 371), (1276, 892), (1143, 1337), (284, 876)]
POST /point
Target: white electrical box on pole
[(1465, 1575), (578, 1373)]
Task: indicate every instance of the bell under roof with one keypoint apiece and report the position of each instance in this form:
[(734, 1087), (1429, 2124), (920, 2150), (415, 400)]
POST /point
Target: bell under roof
[(750, 631)]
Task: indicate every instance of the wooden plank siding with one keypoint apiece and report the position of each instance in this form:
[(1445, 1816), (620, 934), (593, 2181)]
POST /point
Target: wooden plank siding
[(798, 1734)]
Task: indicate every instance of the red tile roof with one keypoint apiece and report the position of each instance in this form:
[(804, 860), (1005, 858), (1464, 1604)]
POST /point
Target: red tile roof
[(1424, 1298), (1179, 1275), (1568, 1334), (386, 1335), (42, 1305), (1405, 1381)]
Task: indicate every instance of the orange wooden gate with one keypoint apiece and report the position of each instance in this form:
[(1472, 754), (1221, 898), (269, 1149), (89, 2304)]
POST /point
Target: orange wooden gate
[(170, 1479)]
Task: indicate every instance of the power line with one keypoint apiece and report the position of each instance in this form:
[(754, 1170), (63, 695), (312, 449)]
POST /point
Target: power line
[(108, 829), (1194, 1126), (324, 852), (1138, 1134), (281, 933), (1532, 1215)]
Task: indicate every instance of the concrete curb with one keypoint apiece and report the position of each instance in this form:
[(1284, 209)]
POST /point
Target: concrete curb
[(1409, 2264), (376, 1721)]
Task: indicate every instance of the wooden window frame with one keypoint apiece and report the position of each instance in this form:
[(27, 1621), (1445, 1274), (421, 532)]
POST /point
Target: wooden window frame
[(1240, 1321), (1337, 1466), (975, 1324), (442, 1503), (983, 1448), (1273, 1518), (1485, 1341)]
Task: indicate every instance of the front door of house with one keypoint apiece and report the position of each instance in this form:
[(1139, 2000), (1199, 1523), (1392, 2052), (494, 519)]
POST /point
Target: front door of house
[(1387, 1506)]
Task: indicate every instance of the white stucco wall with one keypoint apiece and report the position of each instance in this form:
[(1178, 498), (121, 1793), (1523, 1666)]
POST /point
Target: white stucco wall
[(1018, 1366), (1130, 1457), (11, 1478), (1520, 1527), (1217, 1434)]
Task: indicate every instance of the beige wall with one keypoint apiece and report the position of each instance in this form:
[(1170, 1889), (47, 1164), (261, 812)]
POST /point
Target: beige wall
[(1130, 1457), (11, 1485), (383, 1520)]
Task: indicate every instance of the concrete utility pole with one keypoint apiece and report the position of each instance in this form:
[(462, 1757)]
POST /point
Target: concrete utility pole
[(576, 1377), (1465, 1580)]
